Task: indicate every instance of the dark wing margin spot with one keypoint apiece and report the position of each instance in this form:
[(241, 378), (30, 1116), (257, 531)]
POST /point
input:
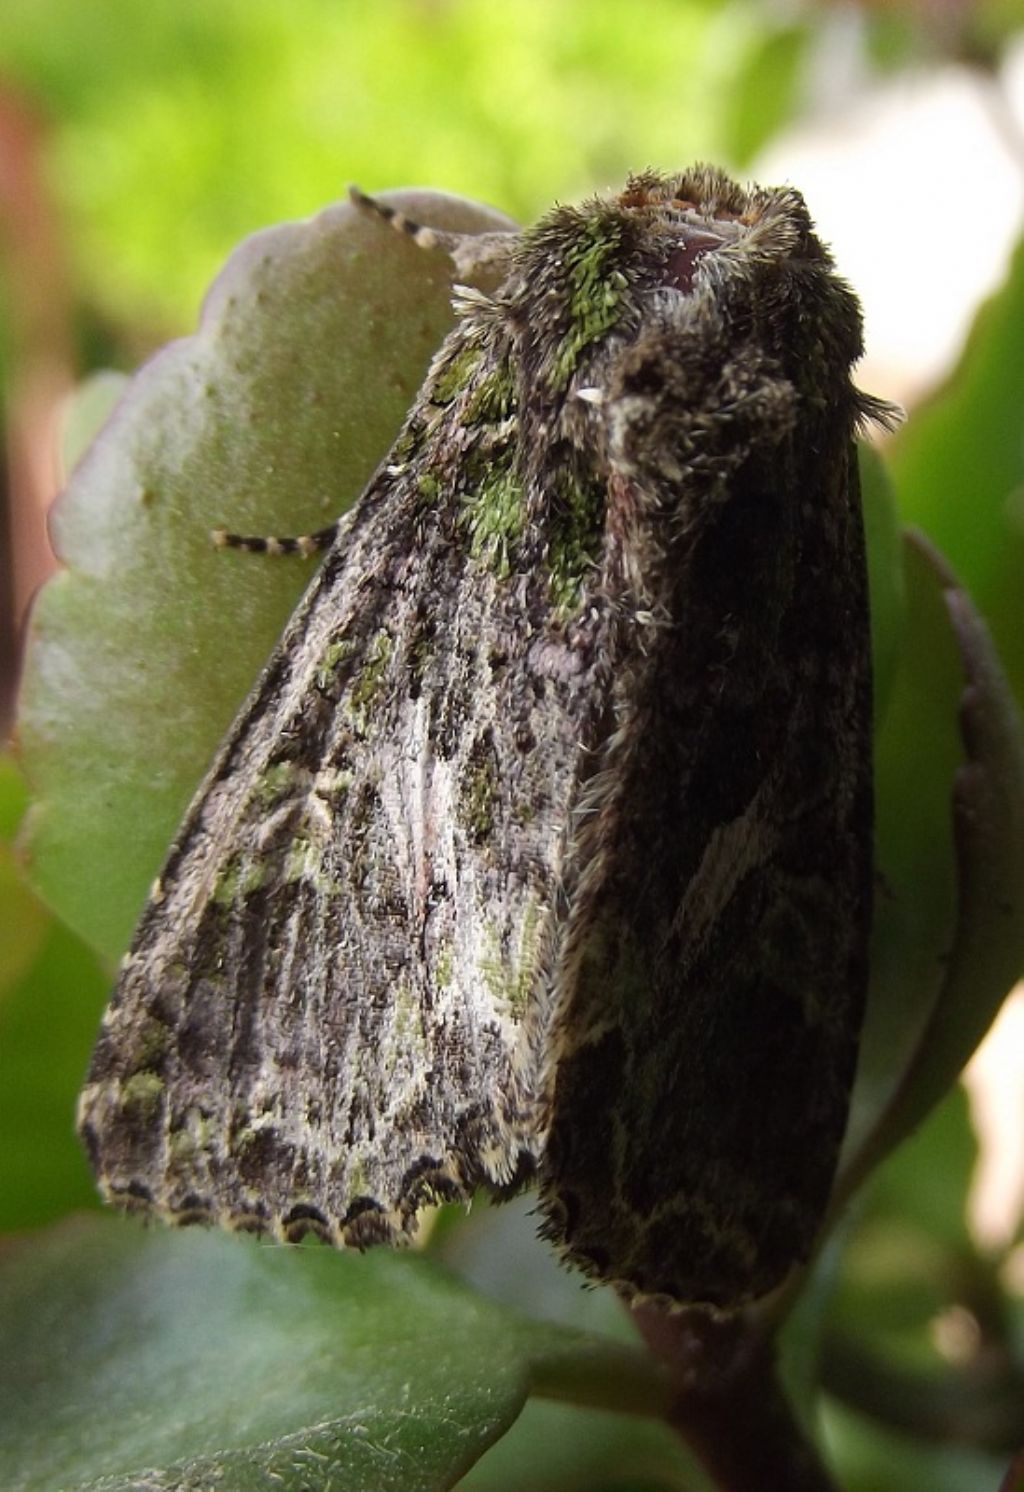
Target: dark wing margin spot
[(303, 1219), (366, 1224)]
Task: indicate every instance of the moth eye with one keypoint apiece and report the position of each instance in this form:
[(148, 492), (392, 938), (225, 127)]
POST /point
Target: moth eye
[(680, 266)]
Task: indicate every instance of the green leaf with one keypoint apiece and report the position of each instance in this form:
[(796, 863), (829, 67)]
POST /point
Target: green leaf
[(51, 995), (884, 536), (48, 1020), (908, 1264), (554, 1448), (923, 1185), (497, 1250), (192, 1360), (23, 923), (938, 983), (917, 754), (958, 466), (907, 1259), (13, 797), (273, 415), (870, 1459)]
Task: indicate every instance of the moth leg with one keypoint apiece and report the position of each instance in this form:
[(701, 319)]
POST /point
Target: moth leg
[(304, 544)]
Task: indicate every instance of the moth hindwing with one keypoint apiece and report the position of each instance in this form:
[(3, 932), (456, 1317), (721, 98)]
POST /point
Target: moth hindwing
[(543, 846)]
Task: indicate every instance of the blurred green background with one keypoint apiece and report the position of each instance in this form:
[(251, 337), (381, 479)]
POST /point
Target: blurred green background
[(140, 142)]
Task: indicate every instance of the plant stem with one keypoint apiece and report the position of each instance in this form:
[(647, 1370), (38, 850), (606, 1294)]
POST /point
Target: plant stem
[(728, 1406)]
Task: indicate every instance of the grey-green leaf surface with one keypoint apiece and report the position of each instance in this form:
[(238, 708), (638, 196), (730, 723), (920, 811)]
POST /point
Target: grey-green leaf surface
[(189, 1360)]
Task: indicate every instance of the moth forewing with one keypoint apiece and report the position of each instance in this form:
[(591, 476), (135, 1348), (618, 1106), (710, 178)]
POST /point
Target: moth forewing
[(543, 844)]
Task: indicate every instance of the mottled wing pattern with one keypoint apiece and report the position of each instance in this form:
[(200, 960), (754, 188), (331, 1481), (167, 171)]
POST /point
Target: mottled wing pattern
[(711, 1034), (316, 1026), (544, 843)]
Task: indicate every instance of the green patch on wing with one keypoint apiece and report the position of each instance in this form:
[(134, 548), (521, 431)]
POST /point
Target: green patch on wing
[(428, 488), (508, 978), (408, 1021), (576, 532), (480, 788), (444, 968), (521, 976), (334, 655), (276, 780), (494, 397), (367, 687), (239, 877), (494, 514), (304, 861), (594, 289), (455, 374), (142, 1093)]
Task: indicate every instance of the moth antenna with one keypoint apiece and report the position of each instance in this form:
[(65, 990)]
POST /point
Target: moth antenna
[(472, 254), (422, 237), (304, 544)]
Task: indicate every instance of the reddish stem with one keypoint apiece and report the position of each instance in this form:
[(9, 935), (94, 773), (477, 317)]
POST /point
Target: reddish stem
[(728, 1405)]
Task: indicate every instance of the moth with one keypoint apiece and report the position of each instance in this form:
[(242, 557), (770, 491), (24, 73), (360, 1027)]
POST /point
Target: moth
[(542, 849)]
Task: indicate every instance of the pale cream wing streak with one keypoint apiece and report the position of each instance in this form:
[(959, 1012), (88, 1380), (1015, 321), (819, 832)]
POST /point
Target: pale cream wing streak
[(735, 849)]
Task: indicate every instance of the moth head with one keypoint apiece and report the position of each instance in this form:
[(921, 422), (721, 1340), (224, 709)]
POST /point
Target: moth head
[(641, 310), (702, 211), (730, 263)]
